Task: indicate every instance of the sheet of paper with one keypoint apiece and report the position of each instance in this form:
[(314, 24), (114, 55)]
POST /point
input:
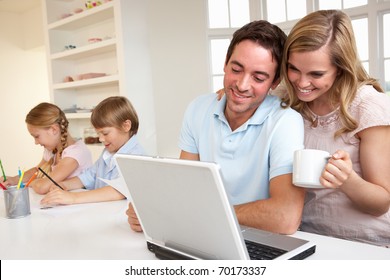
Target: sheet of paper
[(119, 184), (56, 210)]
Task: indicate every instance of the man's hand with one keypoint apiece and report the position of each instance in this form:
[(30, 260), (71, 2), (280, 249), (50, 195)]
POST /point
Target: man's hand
[(133, 219)]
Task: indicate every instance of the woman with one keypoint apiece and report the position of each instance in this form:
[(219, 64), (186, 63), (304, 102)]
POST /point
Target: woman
[(346, 114)]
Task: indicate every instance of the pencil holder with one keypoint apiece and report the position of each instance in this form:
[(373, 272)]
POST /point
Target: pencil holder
[(17, 202)]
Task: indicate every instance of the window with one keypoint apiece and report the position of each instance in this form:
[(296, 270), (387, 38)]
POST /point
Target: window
[(285, 10), (340, 4), (225, 16), (228, 13), (218, 50), (360, 27), (386, 51)]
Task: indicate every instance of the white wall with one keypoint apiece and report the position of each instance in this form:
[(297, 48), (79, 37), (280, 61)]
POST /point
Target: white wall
[(178, 44), (178, 49), (23, 84)]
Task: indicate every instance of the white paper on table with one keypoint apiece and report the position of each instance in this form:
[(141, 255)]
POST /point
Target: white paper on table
[(119, 184)]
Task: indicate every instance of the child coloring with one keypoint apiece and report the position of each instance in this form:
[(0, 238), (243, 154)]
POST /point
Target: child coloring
[(63, 156), (116, 123)]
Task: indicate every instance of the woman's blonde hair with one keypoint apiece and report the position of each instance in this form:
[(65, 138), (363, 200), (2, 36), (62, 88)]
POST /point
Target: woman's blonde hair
[(331, 28), (45, 115), (113, 112)]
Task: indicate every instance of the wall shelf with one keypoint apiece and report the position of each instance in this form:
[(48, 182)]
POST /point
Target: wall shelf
[(94, 82), (120, 49), (88, 50), (85, 18)]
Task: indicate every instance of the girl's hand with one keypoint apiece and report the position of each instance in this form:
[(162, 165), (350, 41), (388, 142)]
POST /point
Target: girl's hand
[(11, 181), (57, 196), (337, 170)]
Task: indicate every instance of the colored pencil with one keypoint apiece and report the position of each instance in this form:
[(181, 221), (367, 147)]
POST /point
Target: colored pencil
[(54, 182), (2, 170), (20, 180), (31, 179)]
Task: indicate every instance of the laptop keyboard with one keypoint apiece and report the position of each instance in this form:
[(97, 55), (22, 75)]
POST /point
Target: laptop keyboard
[(262, 252)]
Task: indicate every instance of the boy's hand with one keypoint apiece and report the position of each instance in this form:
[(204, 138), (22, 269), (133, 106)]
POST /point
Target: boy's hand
[(57, 196)]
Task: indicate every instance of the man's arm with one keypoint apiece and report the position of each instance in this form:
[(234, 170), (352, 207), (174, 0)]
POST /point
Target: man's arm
[(189, 156), (280, 213)]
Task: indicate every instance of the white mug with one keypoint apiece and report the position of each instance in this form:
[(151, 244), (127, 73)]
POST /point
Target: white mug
[(308, 166)]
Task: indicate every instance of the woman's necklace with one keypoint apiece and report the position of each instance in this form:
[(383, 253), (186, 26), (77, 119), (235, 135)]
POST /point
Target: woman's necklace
[(325, 120), (314, 122)]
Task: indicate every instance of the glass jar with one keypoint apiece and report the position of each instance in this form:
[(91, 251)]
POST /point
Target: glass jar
[(90, 136)]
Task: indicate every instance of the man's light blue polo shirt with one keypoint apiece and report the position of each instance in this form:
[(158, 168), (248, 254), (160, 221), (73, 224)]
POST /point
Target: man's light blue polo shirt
[(262, 148), (105, 166)]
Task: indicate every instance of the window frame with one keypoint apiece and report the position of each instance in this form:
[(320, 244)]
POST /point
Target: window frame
[(373, 11)]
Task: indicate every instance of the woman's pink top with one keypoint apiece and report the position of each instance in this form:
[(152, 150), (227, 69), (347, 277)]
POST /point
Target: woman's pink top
[(330, 211)]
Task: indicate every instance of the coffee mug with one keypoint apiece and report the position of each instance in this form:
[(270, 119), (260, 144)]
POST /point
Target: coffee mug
[(308, 166)]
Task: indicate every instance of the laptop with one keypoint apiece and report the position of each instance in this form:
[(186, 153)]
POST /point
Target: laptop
[(185, 213)]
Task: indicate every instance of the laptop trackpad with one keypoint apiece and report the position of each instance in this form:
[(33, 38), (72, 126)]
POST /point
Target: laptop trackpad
[(248, 231), (272, 239)]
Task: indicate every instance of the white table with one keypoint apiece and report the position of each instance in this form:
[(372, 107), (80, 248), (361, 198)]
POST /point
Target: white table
[(98, 231)]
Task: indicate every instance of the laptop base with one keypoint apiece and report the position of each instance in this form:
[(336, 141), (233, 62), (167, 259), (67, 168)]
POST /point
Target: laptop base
[(304, 254), (165, 254)]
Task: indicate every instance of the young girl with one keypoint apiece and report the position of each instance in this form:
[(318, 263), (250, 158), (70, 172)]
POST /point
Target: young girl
[(116, 122), (63, 157)]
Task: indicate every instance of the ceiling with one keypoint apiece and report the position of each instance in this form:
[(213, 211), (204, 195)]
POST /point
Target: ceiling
[(18, 6)]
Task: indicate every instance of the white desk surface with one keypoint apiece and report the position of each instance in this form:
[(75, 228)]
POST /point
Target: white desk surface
[(99, 231)]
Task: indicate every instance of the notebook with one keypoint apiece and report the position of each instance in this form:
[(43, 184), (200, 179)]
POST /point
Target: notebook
[(185, 213)]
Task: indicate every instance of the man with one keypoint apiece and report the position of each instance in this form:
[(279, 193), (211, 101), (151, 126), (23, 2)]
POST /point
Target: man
[(249, 134)]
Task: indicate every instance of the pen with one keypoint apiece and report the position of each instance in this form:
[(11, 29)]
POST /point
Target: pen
[(2, 169), (54, 182), (31, 179)]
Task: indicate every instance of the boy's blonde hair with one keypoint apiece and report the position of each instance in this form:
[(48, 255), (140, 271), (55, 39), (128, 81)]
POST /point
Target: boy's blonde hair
[(113, 112)]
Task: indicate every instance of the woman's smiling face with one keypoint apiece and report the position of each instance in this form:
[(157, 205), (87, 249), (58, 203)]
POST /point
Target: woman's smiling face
[(311, 73)]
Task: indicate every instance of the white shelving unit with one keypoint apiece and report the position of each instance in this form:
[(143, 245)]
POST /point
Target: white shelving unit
[(121, 54)]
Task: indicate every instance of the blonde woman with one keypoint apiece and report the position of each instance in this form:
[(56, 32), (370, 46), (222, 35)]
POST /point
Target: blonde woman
[(63, 156), (347, 114)]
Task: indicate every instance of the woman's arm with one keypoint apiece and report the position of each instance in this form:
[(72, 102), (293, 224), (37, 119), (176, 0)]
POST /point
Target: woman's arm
[(371, 192)]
